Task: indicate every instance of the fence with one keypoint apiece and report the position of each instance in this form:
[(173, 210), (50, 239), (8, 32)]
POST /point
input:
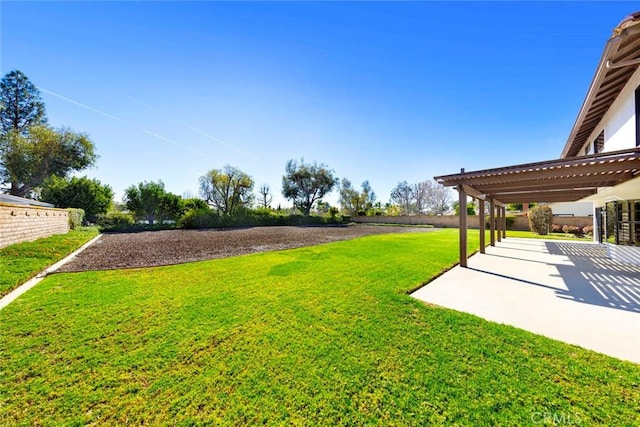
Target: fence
[(20, 222), (451, 221)]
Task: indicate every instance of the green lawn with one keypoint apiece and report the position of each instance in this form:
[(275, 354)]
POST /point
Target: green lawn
[(22, 261), (324, 335), (550, 236)]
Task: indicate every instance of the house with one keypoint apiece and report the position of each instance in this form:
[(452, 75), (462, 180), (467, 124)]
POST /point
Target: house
[(609, 120), (599, 164)]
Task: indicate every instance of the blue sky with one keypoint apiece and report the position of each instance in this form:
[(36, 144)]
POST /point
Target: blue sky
[(378, 91)]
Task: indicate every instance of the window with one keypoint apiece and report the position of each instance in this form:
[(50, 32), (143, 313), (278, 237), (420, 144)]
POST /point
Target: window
[(598, 144), (625, 223)]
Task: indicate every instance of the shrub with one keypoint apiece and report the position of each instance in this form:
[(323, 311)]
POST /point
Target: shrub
[(510, 220), (333, 212), (207, 218), (540, 219), (572, 229), (199, 218), (76, 217), (113, 221), (588, 229), (194, 203), (556, 228)]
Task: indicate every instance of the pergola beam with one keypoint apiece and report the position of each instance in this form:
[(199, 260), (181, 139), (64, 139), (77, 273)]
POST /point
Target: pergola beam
[(556, 184), (568, 179), (574, 170), (470, 177), (544, 196), (473, 192)]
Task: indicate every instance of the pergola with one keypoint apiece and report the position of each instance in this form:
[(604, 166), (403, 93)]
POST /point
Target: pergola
[(561, 180)]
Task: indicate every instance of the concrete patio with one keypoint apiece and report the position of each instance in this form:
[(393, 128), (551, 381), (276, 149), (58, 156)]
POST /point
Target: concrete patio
[(569, 291)]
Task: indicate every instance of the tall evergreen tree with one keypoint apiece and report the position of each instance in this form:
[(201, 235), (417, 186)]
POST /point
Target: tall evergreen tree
[(20, 103)]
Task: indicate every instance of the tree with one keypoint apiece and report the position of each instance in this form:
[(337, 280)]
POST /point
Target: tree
[(322, 207), (227, 190), (367, 196), (84, 193), (424, 197), (304, 183), (471, 208), (150, 201), (354, 202), (402, 195), (27, 159), (20, 104), (193, 203), (420, 194), (265, 196), (438, 198), (171, 207), (348, 197)]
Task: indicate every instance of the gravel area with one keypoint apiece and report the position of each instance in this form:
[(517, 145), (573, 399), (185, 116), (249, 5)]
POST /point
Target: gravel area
[(155, 248)]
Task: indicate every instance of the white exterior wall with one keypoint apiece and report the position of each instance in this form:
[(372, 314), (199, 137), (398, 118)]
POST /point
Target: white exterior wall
[(626, 254), (619, 122), (572, 208)]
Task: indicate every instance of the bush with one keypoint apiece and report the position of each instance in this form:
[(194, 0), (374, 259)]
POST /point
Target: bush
[(199, 218), (510, 220), (588, 229), (572, 229), (76, 217), (555, 228), (540, 219), (207, 218), (115, 221)]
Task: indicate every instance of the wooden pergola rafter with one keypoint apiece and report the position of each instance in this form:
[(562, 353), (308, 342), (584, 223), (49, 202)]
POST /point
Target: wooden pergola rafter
[(560, 180)]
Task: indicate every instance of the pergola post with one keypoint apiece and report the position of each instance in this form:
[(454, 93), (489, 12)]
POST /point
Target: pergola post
[(492, 221), (504, 222), (462, 202), (499, 221), (481, 224)]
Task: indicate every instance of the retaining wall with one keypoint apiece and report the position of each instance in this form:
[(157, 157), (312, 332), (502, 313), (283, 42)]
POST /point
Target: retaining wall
[(451, 221), (21, 223)]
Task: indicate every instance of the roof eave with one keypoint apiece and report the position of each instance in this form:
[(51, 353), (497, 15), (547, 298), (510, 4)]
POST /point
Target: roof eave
[(598, 77)]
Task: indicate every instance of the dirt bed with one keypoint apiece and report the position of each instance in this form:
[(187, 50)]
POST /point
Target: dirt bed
[(155, 248)]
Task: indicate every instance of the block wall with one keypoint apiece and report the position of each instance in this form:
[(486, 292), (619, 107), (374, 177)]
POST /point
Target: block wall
[(21, 223), (452, 221)]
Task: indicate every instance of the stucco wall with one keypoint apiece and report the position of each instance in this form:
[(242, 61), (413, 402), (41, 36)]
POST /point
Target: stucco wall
[(618, 123), (572, 208), (451, 221), (20, 223)]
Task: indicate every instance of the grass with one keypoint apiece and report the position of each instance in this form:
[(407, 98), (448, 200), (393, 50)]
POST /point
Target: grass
[(22, 261), (550, 236), (324, 335), (387, 224)]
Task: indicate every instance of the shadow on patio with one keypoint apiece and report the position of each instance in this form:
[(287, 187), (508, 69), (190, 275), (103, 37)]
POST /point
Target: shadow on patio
[(569, 291), (592, 278)]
